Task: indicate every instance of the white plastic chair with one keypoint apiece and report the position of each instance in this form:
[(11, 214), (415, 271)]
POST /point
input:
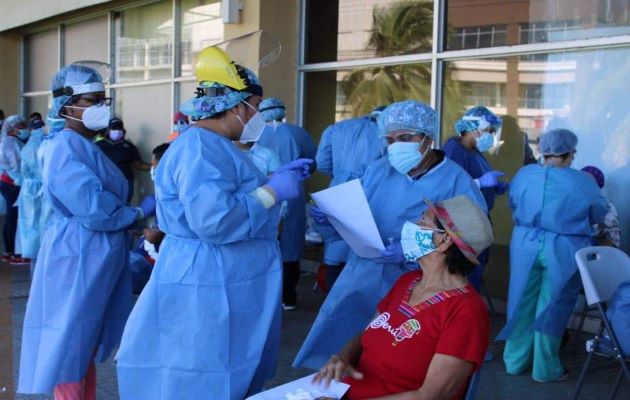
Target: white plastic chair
[(602, 269)]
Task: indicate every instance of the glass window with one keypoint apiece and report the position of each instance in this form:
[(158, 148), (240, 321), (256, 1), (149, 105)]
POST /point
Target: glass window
[(335, 95), (187, 90), (146, 113), (580, 90), (87, 40), (42, 55), (525, 22), (356, 29), (202, 26), (144, 43)]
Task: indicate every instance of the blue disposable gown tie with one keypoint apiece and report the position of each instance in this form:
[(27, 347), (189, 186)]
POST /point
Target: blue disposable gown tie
[(207, 323), (290, 142), (473, 162), (394, 199), (345, 151), (81, 291), (553, 208), (30, 221)]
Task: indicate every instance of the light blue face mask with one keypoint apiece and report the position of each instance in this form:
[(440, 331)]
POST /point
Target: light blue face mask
[(404, 156), (23, 134), (417, 241), (485, 141)]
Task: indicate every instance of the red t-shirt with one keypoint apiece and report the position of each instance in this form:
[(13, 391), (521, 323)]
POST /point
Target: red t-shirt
[(399, 344)]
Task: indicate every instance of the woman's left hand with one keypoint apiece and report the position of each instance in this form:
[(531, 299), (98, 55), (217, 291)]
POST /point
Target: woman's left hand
[(336, 369)]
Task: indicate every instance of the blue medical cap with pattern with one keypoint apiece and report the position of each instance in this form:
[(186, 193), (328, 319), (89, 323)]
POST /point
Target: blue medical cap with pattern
[(272, 109), (409, 115), (489, 116), (73, 80), (557, 142)]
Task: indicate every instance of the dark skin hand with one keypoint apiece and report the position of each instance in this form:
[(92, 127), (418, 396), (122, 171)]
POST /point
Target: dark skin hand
[(153, 236)]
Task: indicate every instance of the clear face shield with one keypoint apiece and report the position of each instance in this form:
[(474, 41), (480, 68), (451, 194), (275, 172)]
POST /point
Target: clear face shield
[(488, 125)]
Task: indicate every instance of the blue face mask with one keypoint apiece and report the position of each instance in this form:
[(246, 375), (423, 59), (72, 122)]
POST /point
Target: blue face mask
[(485, 141), (404, 156), (416, 241), (23, 134)]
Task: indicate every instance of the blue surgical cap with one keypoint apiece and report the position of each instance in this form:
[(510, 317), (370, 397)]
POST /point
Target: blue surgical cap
[(409, 115), (206, 106), (73, 80), (465, 125), (557, 142), (478, 117), (10, 124), (272, 109)]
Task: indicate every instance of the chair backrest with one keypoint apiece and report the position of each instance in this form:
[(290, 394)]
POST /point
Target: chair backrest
[(602, 269), (473, 386)]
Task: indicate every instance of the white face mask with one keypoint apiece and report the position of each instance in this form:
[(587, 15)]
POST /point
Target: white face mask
[(116, 135), (253, 128), (95, 118), (152, 173)]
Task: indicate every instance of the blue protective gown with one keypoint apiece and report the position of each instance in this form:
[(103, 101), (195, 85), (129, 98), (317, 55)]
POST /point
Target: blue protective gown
[(207, 323), (473, 162), (291, 142), (345, 151), (553, 208), (265, 159), (393, 199), (81, 291), (30, 221)]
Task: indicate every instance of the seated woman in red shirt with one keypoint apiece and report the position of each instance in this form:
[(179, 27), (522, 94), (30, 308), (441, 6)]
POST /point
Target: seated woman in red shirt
[(431, 330)]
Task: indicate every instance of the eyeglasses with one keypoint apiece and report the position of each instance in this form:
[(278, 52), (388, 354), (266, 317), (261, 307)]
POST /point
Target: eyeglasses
[(107, 101)]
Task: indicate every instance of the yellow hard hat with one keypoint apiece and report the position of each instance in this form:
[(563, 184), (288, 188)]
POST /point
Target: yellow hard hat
[(215, 66)]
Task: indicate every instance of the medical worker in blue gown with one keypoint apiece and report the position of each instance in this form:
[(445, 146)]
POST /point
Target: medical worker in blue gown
[(206, 325), (289, 142), (553, 208), (395, 187), (30, 220), (476, 132), (80, 296), (345, 150)]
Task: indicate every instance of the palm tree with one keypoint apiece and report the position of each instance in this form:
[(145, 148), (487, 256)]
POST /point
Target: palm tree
[(405, 27)]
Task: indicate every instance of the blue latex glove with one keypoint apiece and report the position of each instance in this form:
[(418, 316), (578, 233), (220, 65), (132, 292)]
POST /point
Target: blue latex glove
[(393, 253), (502, 187), (489, 179), (148, 206), (319, 216), (300, 167), (285, 184)]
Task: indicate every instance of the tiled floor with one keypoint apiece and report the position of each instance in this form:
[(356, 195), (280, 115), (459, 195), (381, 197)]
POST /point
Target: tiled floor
[(494, 383)]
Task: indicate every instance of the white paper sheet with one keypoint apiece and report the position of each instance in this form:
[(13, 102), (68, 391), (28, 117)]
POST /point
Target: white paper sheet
[(348, 210), (336, 390)]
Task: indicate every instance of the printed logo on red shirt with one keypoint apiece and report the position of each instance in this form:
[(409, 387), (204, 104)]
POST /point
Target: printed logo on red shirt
[(406, 330)]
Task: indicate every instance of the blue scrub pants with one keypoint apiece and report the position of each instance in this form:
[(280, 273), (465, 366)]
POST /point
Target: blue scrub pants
[(527, 347)]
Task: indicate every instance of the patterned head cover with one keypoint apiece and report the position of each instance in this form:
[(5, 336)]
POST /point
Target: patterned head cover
[(272, 109), (466, 224), (597, 174), (409, 115), (478, 118), (218, 98), (557, 142)]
